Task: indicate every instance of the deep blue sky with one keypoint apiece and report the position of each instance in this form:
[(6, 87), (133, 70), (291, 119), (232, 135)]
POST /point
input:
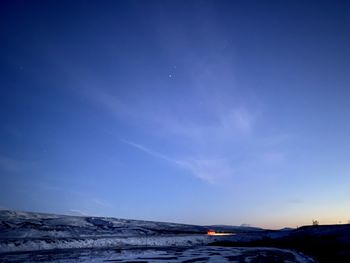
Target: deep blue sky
[(204, 112)]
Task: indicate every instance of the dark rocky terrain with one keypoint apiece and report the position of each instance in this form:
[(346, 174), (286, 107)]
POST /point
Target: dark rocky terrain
[(326, 243)]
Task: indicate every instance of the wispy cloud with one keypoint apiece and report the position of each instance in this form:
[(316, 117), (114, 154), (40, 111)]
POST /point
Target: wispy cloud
[(211, 119), (149, 151), (239, 119), (209, 139), (209, 170), (221, 121)]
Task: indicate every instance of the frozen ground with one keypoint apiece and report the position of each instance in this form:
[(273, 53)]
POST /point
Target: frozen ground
[(15, 224), (23, 231), (35, 237), (170, 254)]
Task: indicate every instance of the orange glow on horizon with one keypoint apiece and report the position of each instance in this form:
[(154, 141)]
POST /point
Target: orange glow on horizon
[(213, 233)]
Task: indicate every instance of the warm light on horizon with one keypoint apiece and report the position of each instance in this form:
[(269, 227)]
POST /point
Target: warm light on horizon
[(213, 233)]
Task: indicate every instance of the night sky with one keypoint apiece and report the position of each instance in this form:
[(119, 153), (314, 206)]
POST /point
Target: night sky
[(201, 112)]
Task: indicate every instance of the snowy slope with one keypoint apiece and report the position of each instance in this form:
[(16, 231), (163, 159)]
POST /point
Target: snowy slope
[(25, 231), (14, 224), (161, 255)]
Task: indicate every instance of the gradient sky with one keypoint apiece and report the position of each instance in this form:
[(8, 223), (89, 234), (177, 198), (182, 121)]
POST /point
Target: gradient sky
[(203, 112)]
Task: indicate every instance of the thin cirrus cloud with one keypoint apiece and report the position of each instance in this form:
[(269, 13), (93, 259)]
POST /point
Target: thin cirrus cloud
[(223, 126), (210, 170), (223, 122), (221, 131), (219, 147)]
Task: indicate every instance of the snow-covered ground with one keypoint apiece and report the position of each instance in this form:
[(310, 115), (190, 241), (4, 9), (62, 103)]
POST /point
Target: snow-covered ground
[(26, 244), (170, 254), (15, 224), (23, 231), (34, 237)]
